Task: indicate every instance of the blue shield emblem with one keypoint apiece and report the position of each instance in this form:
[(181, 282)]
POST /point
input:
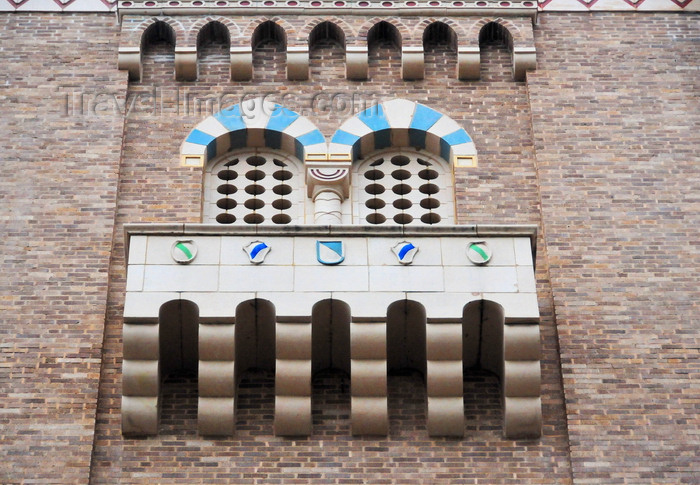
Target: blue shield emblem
[(405, 252), (330, 252), (256, 251)]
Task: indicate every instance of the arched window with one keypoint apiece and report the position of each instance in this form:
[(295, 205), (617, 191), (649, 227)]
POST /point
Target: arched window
[(404, 187), (254, 186)]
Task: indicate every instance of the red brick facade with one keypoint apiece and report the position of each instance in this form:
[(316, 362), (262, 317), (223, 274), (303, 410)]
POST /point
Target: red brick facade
[(598, 147)]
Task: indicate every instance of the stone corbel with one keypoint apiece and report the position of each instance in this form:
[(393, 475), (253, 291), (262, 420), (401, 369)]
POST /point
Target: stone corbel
[(356, 63), (241, 63), (524, 59), (129, 59), (468, 63), (328, 185), (185, 63), (412, 63), (521, 381), (298, 63)]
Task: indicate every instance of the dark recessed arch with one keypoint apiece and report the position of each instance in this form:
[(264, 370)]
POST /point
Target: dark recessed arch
[(269, 31)]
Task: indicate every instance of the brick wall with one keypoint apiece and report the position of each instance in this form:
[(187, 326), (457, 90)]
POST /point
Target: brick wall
[(58, 180), (598, 148), (502, 189), (615, 118)]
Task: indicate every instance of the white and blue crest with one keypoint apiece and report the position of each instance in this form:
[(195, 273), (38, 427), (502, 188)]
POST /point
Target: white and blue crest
[(256, 251), (405, 252), (330, 252)]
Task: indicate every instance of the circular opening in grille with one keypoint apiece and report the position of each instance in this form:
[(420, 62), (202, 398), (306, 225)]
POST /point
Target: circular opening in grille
[(400, 160), (281, 204), (281, 219), (282, 189), (226, 204), (253, 218), (226, 218), (403, 218), (403, 204), (255, 175), (254, 204), (376, 218), (375, 189), (255, 161), (226, 189), (375, 203), (401, 174), (430, 218), (401, 189), (282, 175), (429, 189), (227, 174), (374, 174), (255, 189), (428, 174), (430, 203)]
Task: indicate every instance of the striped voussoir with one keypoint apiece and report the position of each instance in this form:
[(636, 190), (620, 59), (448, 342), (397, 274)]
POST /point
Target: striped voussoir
[(253, 123), (402, 123), (394, 123)]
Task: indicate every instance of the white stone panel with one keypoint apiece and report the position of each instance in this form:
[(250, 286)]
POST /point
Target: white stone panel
[(406, 278), (134, 277), (523, 251), (137, 249), (256, 278), (331, 278), (494, 279), (464, 279), (526, 279), (181, 278)]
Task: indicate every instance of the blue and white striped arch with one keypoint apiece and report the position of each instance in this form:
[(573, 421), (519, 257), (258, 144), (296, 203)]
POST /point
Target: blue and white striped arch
[(253, 123), (403, 123)]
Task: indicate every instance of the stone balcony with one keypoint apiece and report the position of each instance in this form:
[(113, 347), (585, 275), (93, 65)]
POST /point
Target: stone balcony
[(230, 297)]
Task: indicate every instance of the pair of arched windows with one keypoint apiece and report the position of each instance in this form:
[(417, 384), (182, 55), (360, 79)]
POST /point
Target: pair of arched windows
[(266, 186)]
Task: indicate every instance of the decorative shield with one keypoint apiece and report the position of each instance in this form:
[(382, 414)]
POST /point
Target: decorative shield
[(256, 251), (478, 252), (330, 252), (405, 252), (183, 251)]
